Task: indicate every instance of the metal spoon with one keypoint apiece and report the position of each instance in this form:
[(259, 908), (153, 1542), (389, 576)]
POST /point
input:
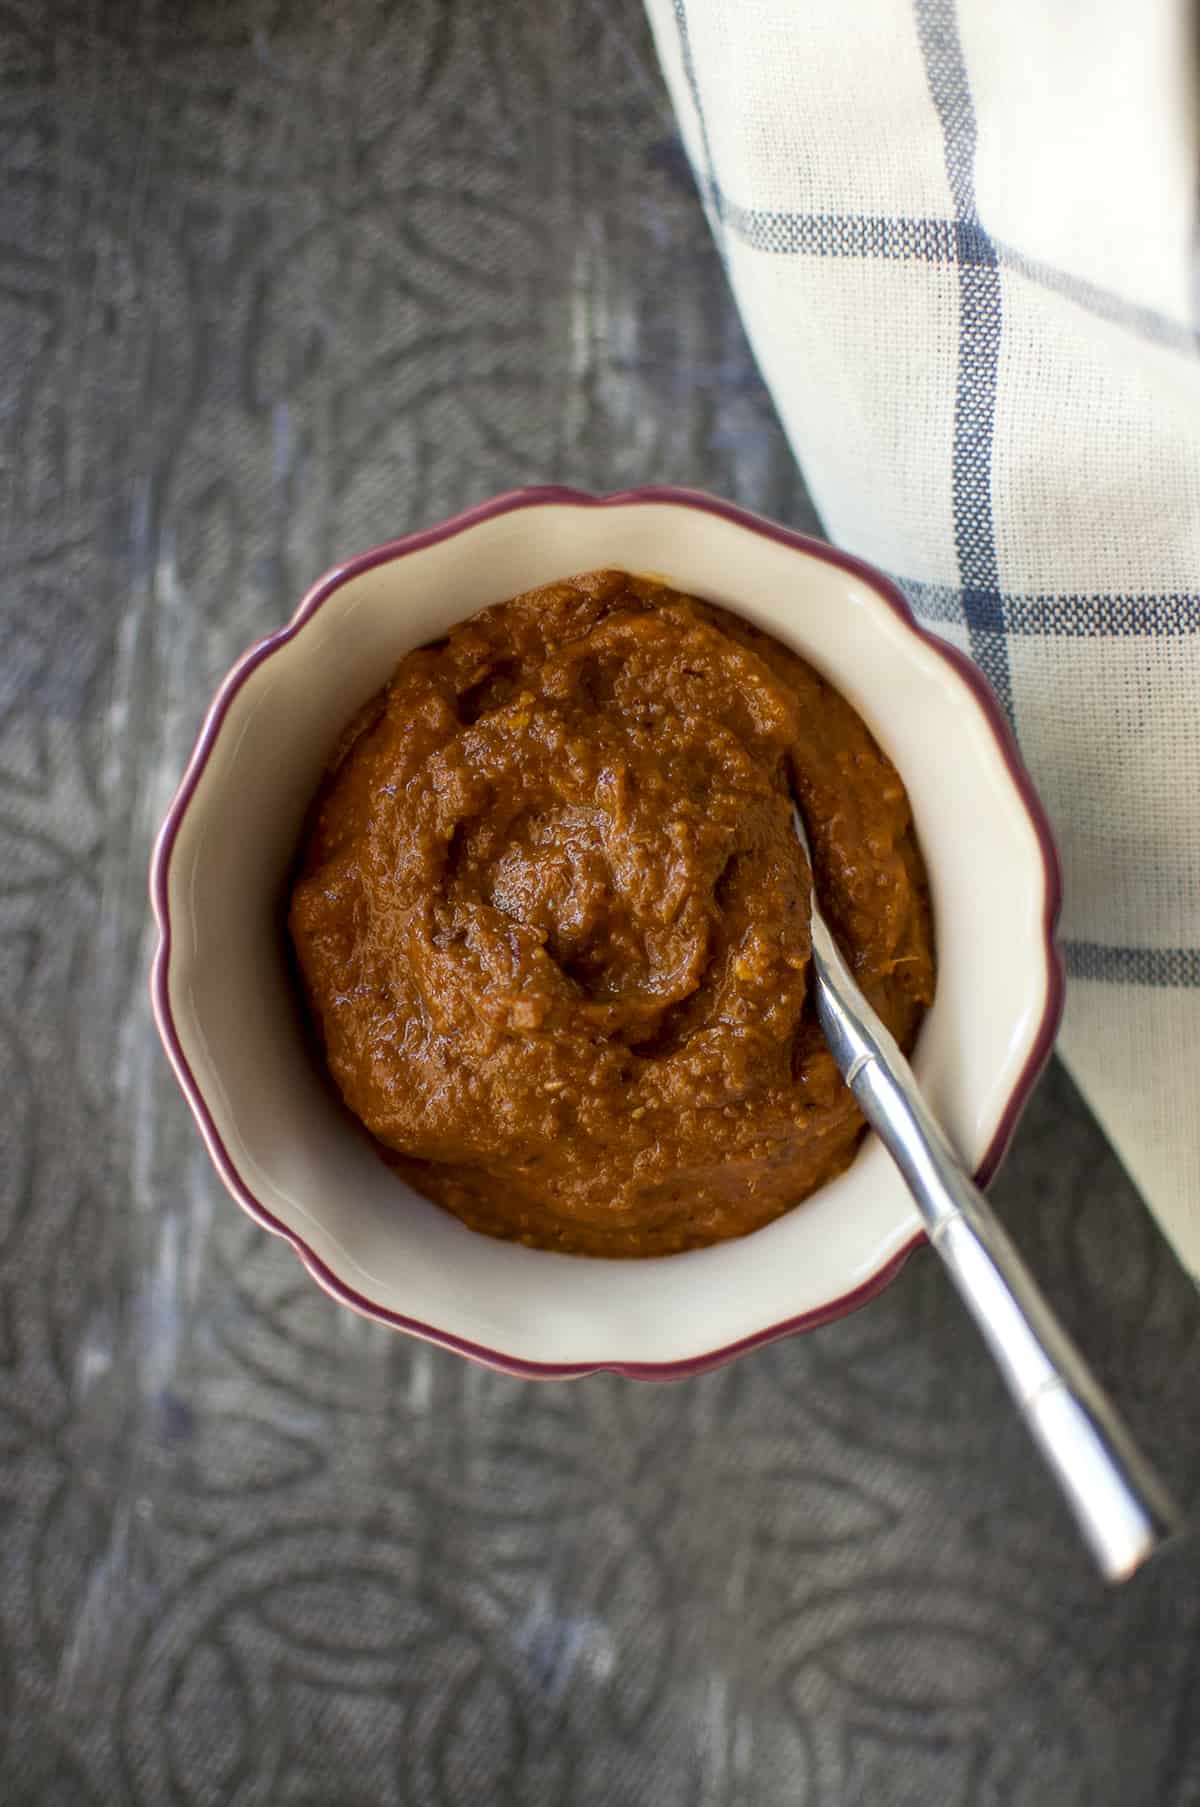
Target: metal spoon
[(1120, 1505)]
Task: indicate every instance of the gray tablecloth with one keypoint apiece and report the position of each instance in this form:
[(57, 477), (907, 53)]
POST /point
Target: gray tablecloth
[(278, 280)]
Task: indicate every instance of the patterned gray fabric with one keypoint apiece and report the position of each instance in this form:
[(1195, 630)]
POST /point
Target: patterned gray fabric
[(279, 280)]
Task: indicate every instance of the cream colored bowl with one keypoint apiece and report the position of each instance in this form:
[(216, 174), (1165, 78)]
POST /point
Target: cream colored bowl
[(227, 1013)]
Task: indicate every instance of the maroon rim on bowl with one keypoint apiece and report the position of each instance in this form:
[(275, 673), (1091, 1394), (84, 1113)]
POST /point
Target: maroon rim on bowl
[(507, 503)]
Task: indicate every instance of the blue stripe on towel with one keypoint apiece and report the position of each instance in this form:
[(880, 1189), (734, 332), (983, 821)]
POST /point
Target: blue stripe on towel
[(979, 326)]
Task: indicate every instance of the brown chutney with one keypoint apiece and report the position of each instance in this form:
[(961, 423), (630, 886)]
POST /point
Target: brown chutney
[(552, 918)]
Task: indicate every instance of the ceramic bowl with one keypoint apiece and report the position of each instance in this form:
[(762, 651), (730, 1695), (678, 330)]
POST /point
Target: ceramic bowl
[(228, 1016)]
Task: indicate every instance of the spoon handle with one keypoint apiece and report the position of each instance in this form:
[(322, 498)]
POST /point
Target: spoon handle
[(1121, 1506)]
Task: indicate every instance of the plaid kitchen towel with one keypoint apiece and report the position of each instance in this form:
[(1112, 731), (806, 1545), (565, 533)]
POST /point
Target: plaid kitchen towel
[(963, 238)]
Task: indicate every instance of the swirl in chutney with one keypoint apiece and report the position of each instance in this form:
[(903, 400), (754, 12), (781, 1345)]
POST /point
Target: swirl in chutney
[(553, 926)]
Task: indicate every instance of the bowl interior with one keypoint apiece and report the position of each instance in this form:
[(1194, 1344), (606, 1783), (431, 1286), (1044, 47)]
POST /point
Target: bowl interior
[(283, 1140)]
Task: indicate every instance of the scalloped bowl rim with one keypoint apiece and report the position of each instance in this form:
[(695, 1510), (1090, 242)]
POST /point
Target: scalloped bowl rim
[(509, 501)]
